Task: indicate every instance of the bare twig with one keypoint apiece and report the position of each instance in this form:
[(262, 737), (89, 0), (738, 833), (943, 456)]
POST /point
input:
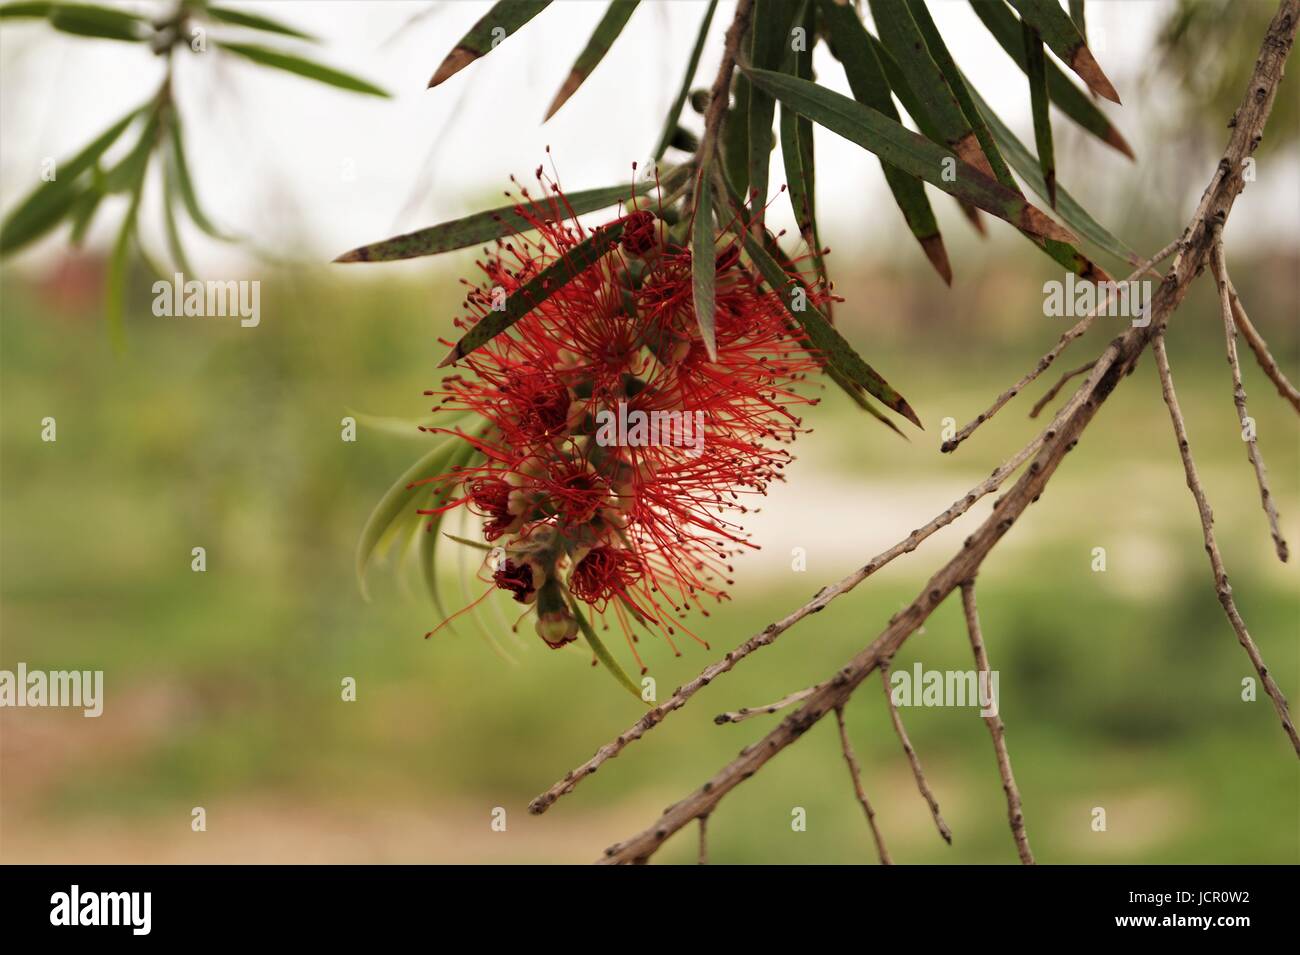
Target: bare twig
[(1221, 586), (913, 759), (856, 772), (1046, 361), (1220, 269), (704, 840), (1015, 810), (720, 94), (746, 712), (820, 600), (1056, 388), (1261, 350)]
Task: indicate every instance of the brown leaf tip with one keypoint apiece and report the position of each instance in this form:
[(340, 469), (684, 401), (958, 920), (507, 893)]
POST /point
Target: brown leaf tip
[(457, 60), (1085, 64)]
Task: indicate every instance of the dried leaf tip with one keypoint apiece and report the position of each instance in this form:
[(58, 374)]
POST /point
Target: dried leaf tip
[(1089, 70), (457, 60)]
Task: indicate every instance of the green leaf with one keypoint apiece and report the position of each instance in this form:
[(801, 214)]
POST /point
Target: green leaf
[(1036, 70), (829, 344), (306, 68), (1061, 252), (1072, 101), (505, 17), (903, 148), (674, 114), (398, 499), (1059, 32), (601, 651), (852, 46), (703, 265), (101, 23), (496, 223), (254, 21), (14, 11), (83, 212), (185, 183), (115, 296), (47, 205), (1079, 18), (1024, 163), (428, 545), (169, 199), (768, 34), (537, 290), (797, 151), (900, 35), (735, 136), (606, 32)]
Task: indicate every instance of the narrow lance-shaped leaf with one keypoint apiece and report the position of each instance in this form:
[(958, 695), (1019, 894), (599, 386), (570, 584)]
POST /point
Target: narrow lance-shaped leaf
[(505, 17), (830, 345), (899, 84), (851, 45), (275, 59), (1059, 32), (1072, 101), (136, 166), (496, 223), (703, 266), (914, 154), (428, 542), (537, 290), (674, 114), (255, 21), (101, 23), (185, 182), (1062, 252), (170, 198), (399, 498), (50, 202), (83, 210), (1024, 163), (25, 10), (601, 651), (768, 34), (606, 32), (1080, 18), (797, 150), (1036, 70), (900, 35), (735, 136)]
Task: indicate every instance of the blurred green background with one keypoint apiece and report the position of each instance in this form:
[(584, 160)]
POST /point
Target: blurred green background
[(1120, 690)]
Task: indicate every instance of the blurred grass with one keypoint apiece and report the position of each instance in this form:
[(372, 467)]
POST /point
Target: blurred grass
[(1120, 690)]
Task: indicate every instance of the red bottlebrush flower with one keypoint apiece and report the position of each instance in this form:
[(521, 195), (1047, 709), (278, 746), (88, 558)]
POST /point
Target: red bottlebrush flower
[(606, 572), (616, 452)]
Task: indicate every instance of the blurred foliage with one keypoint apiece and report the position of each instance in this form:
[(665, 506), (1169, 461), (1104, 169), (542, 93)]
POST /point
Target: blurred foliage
[(1209, 48)]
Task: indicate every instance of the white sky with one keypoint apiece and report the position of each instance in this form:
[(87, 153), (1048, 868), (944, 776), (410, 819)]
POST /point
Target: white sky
[(306, 168)]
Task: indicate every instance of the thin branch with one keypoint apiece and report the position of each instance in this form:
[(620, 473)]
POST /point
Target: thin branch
[(720, 95), (856, 772), (746, 712), (704, 840), (1015, 810), (1046, 361), (1261, 350), (1220, 269), (1056, 388), (1221, 586), (913, 759), (820, 600)]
